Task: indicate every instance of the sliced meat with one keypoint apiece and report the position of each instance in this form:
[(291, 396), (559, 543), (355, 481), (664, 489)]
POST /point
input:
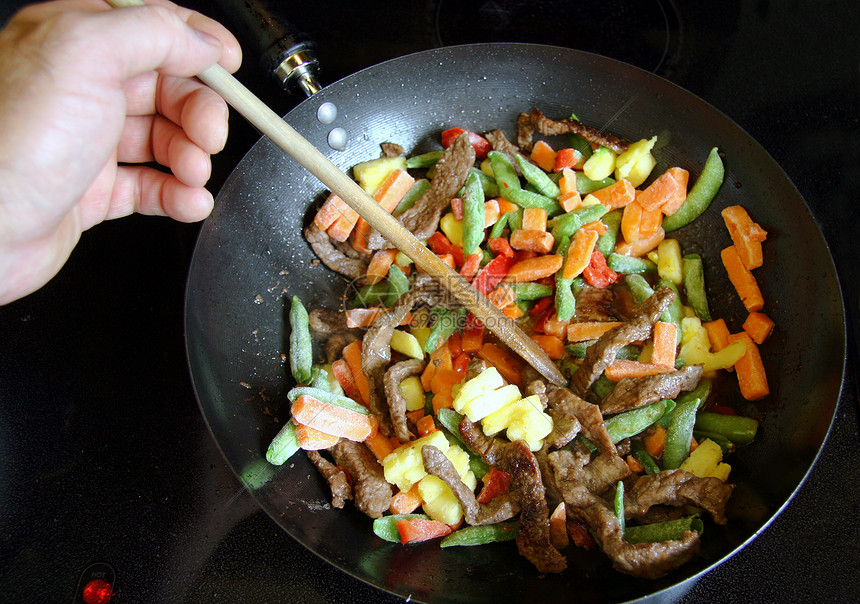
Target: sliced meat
[(476, 367), (500, 143), (595, 304), (325, 321), (630, 392), (535, 120), (600, 354), (396, 403), (392, 150), (372, 493), (335, 344), (563, 401), (336, 478), (678, 488), (332, 257), (451, 172), (572, 469), (501, 508), (537, 388)]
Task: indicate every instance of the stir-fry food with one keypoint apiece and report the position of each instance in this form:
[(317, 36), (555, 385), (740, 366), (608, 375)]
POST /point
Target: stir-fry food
[(435, 430)]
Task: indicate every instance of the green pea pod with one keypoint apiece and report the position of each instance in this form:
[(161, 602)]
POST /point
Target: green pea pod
[(480, 535), (568, 224), (424, 160), (679, 434), (398, 284), (515, 219), (504, 172), (619, 504), (386, 526), (671, 530), (725, 444), (529, 199), (694, 285), (581, 144), (736, 428), (284, 445), (638, 287), (606, 242), (539, 179), (629, 265), (447, 322), (700, 392), (565, 300), (700, 196), (325, 396), (370, 294), (499, 227), (585, 185), (667, 414), (488, 183), (320, 379), (674, 313), (301, 347), (473, 215), (415, 192), (602, 386), (648, 463), (630, 423), (531, 291)]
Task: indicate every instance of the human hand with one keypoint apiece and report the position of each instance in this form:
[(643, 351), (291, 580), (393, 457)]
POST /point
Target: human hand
[(86, 92)]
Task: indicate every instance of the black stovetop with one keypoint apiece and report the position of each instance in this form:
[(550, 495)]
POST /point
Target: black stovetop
[(105, 457)]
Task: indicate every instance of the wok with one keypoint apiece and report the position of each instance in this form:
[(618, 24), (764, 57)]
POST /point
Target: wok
[(250, 257)]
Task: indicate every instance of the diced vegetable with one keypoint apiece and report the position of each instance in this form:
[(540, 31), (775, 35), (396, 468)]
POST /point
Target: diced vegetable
[(480, 535), (700, 196), (679, 434), (742, 279), (386, 526), (752, 378), (663, 531), (331, 419), (746, 236)]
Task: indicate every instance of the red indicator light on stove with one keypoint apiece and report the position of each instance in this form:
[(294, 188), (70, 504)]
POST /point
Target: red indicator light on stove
[(97, 592)]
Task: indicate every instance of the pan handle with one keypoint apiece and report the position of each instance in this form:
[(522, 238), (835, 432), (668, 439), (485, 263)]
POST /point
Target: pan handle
[(286, 53)]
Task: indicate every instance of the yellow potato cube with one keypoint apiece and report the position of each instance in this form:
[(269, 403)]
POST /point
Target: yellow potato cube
[(442, 505), (490, 402), (721, 471), (452, 228), (601, 164), (421, 334), (696, 347), (370, 174), (412, 393), (636, 163), (530, 424), (407, 343), (704, 459), (487, 380), (669, 262), (404, 466)]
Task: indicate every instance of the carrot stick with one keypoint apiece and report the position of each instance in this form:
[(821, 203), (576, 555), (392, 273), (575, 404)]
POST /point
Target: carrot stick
[(532, 240), (427, 376), (491, 212), (579, 253), (551, 345), (345, 218), (414, 416), (742, 279), (441, 357), (380, 262), (655, 440), (641, 246), (617, 195), (718, 333), (513, 311), (665, 343), (649, 223), (759, 326), (558, 527), (311, 439), (534, 219), (343, 374), (388, 195), (553, 327), (746, 235), (331, 419), (543, 155), (622, 368), (329, 212), (509, 366), (352, 355), (631, 218), (406, 502), (588, 330), (533, 269), (667, 192), (413, 530), (750, 369), (380, 445)]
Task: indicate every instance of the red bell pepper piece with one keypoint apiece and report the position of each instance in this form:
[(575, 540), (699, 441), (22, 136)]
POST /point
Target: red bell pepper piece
[(482, 146), (496, 482), (457, 208), (441, 245), (568, 158), (597, 273), (461, 363), (541, 306), (500, 245), (492, 274), (471, 266)]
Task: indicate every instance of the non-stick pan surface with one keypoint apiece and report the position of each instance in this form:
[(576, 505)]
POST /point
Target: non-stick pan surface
[(251, 256)]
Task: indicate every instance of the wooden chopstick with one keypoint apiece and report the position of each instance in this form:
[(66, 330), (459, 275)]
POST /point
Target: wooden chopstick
[(294, 144)]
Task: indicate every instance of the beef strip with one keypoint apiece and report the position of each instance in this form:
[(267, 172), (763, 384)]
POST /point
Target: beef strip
[(336, 342), (336, 478), (326, 322), (678, 488), (475, 368), (372, 492), (500, 143), (595, 304), (572, 468), (451, 172), (535, 120), (392, 150), (633, 392), (396, 403), (600, 354), (533, 540), (563, 401), (332, 257), (502, 507)]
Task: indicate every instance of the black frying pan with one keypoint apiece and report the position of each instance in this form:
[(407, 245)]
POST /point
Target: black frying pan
[(251, 256)]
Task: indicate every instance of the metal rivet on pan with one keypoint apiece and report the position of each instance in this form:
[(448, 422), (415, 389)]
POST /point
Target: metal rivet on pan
[(327, 112), (337, 139)]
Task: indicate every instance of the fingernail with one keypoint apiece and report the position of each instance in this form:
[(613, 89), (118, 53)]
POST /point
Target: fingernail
[(208, 38)]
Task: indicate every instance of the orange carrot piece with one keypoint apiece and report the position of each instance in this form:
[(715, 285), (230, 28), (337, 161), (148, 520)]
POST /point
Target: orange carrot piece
[(631, 218), (650, 221), (617, 195), (444, 380), (449, 260), (388, 195), (502, 296), (341, 228), (558, 527), (380, 445), (329, 212), (543, 155), (759, 326), (622, 368), (750, 369), (534, 219), (441, 357), (352, 355), (579, 253), (364, 317), (343, 374), (742, 279), (455, 346), (512, 311), (380, 262), (442, 400), (414, 530), (641, 246), (532, 269), (667, 192), (746, 235), (331, 419), (506, 206), (425, 425), (665, 343), (414, 416), (655, 440), (472, 338), (553, 327), (491, 212), (471, 266), (718, 333), (427, 376), (311, 439), (634, 465), (508, 365), (551, 345), (532, 241), (569, 198), (582, 331), (406, 502)]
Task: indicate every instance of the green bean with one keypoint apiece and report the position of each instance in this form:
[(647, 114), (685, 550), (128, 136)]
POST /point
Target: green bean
[(581, 144), (694, 285), (630, 423), (667, 414), (283, 445), (725, 444), (398, 284), (606, 242), (568, 224), (473, 215), (531, 291), (488, 183), (648, 463), (424, 160), (327, 397), (701, 195), (504, 172), (499, 227), (529, 199), (671, 530), (370, 294), (565, 300), (679, 434), (542, 183), (525, 305), (619, 504), (736, 428), (450, 426), (700, 392), (629, 265), (320, 379), (602, 386), (447, 322), (415, 192), (301, 347), (638, 288), (515, 219), (585, 185), (479, 535), (386, 526)]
